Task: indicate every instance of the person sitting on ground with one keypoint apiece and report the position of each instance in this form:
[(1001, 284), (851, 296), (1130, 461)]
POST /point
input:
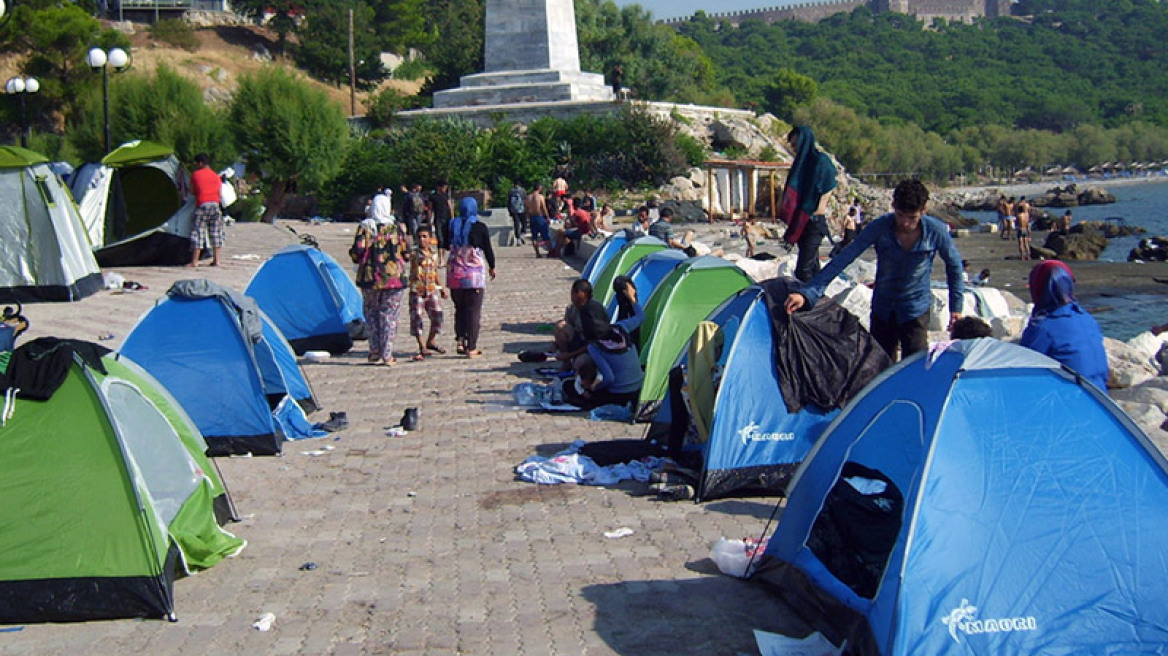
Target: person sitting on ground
[(982, 279), (753, 232), (609, 372), (604, 217), (641, 224), (578, 225), (585, 320), (1060, 328), (663, 230), (426, 292), (970, 328)]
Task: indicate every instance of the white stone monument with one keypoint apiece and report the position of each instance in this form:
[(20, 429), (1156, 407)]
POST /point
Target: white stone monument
[(531, 56)]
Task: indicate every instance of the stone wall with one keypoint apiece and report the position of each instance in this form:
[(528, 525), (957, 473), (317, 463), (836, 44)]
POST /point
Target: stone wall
[(926, 10)]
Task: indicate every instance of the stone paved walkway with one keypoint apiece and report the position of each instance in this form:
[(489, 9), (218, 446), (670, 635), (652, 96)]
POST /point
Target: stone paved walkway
[(426, 544)]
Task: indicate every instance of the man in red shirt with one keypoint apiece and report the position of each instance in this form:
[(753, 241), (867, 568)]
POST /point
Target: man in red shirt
[(578, 225), (207, 224)]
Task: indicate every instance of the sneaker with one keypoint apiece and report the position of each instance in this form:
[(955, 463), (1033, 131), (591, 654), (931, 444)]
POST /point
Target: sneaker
[(676, 493)]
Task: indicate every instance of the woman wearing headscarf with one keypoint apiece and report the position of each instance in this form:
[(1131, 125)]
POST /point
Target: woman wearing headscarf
[(1060, 328), (471, 261), (804, 201), (379, 251)]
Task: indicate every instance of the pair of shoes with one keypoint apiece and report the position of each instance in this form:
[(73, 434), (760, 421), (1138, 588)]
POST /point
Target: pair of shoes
[(675, 493), (337, 421)]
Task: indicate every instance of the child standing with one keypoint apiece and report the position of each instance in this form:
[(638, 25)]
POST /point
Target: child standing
[(425, 290)]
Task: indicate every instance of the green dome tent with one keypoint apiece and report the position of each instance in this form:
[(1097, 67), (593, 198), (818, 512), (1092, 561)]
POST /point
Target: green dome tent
[(619, 265), (107, 495), (684, 298), (46, 255)]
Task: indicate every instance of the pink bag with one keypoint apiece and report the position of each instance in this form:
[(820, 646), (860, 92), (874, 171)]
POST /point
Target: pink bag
[(465, 269)]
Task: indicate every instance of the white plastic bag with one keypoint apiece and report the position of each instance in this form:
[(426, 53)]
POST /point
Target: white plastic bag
[(733, 556)]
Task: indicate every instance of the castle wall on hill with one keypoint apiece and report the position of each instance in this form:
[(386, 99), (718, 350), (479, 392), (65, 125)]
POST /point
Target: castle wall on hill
[(813, 12)]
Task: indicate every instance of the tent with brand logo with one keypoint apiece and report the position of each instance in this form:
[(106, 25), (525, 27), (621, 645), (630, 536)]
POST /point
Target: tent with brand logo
[(225, 361), (45, 254), (981, 499), (135, 206), (620, 264), (310, 298), (107, 495), (603, 255), (732, 412)]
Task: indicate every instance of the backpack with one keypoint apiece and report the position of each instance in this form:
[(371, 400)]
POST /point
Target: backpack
[(515, 201), (417, 205)]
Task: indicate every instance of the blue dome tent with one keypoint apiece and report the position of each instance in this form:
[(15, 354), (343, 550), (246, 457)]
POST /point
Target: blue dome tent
[(224, 361), (310, 298), (979, 500)]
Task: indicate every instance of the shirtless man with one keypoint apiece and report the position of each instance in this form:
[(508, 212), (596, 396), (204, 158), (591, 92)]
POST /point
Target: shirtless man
[(1008, 223), (1022, 215), (537, 215)]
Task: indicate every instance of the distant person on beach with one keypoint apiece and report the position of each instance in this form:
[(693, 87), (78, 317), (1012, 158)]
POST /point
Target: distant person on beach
[(1003, 209), (804, 201), (1064, 223), (1008, 224), (1022, 216), (1060, 328), (207, 225), (604, 218), (851, 222), (441, 211), (907, 241)]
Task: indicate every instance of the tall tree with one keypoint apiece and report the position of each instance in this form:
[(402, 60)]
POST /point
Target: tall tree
[(288, 132), (323, 50), (457, 47)]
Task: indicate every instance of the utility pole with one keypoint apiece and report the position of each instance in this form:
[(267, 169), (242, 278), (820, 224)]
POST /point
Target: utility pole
[(352, 69)]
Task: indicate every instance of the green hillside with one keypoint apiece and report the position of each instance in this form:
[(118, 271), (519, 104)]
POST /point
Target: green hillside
[(1057, 64)]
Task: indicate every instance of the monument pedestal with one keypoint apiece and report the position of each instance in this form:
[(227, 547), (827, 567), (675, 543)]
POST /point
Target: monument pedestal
[(536, 86), (532, 56)]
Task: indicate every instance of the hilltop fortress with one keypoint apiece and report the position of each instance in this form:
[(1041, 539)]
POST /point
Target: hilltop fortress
[(925, 10)]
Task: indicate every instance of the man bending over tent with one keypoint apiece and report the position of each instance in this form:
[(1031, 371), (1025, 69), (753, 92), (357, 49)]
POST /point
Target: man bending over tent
[(906, 241)]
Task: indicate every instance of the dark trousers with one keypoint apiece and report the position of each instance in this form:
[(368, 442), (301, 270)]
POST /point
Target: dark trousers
[(911, 336), (519, 222), (468, 313), (807, 263)]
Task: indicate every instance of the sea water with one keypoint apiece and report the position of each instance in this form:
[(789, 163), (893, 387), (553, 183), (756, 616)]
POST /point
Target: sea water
[(1143, 204)]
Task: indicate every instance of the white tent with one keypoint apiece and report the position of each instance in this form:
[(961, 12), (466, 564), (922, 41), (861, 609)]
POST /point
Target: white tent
[(45, 254)]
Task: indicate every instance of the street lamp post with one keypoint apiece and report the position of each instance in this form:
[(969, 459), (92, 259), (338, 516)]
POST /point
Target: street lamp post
[(98, 59), (21, 87)]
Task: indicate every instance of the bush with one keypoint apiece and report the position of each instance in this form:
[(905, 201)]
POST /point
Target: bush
[(381, 107), (249, 209), (177, 33), (693, 150), (415, 68)]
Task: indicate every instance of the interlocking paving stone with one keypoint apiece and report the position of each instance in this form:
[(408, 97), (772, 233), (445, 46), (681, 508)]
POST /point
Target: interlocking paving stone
[(475, 562)]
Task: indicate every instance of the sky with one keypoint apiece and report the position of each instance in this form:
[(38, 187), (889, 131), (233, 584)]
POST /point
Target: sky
[(676, 8)]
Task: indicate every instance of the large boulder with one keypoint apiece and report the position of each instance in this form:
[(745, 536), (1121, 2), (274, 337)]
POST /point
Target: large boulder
[(1129, 366), (1083, 245), (1111, 228), (686, 210), (1150, 249)]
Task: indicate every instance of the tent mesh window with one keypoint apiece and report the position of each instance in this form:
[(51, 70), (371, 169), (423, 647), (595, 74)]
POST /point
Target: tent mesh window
[(857, 528)]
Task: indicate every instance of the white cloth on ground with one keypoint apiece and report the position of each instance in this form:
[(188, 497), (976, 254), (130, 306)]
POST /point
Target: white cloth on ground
[(568, 466)]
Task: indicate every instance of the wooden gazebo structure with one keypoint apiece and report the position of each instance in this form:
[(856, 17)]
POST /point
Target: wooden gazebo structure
[(743, 176)]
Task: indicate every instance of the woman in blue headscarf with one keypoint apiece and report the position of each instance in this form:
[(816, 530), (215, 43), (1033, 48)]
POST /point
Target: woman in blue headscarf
[(804, 200), (471, 261), (1060, 328)]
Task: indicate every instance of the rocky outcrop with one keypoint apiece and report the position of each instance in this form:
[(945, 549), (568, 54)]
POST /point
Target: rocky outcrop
[(1083, 245), (1150, 249), (1110, 228)]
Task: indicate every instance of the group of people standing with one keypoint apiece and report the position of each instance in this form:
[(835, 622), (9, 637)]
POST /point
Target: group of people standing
[(533, 213), (1014, 220), (396, 253)]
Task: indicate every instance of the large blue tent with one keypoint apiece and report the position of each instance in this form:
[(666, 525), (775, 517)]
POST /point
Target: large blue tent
[(648, 272), (603, 255), (980, 500), (310, 298), (225, 362)]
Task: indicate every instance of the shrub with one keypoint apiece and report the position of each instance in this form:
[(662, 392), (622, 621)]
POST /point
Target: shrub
[(177, 33), (249, 209), (693, 149), (381, 107)]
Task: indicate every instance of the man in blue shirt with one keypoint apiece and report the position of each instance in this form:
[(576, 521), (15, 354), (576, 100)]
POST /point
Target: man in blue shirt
[(906, 243)]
